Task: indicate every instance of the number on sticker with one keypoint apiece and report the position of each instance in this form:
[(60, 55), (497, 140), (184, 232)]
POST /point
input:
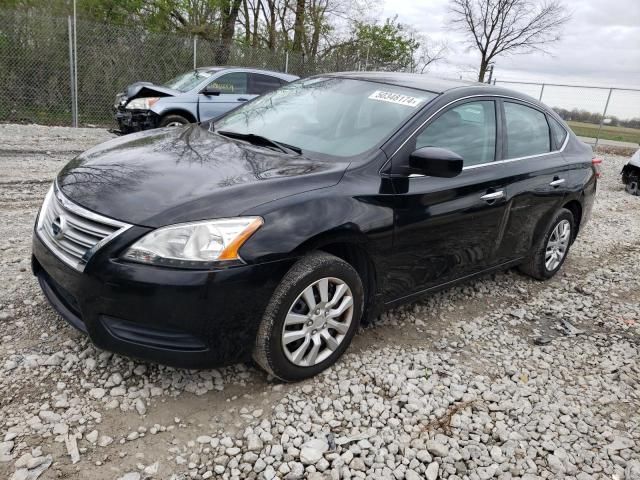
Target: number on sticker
[(398, 98)]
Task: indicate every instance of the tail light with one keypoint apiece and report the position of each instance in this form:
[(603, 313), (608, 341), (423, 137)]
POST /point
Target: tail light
[(596, 162)]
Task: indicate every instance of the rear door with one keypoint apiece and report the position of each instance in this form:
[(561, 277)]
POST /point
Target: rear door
[(532, 152), (448, 228), (233, 88)]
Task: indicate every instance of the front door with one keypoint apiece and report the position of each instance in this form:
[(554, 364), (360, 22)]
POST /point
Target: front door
[(448, 228), (232, 90)]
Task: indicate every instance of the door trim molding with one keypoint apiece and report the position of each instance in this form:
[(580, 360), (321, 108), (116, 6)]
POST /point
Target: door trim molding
[(441, 286)]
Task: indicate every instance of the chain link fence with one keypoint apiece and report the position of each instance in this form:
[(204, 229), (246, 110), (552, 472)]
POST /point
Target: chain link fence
[(599, 115), (38, 54)]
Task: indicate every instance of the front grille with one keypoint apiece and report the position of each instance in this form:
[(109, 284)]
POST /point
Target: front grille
[(74, 233)]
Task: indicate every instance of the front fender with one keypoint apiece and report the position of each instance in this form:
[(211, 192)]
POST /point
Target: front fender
[(292, 228), (175, 105)]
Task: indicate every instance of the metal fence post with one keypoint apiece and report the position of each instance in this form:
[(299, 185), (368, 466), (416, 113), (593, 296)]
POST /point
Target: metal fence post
[(75, 65), (286, 62), (72, 76), (195, 51), (604, 114), (541, 93)]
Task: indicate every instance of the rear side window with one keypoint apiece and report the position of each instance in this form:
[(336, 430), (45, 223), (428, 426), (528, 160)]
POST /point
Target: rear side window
[(557, 132), (231, 83), (468, 130), (263, 83), (527, 131)]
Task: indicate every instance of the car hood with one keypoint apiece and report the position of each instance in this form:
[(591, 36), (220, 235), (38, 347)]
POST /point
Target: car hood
[(145, 90), (175, 175)]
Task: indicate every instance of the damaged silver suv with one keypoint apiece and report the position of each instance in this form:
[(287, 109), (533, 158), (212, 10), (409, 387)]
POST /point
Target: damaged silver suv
[(195, 96)]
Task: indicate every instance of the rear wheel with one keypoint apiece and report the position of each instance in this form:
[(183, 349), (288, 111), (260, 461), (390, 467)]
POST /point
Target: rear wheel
[(173, 121), (551, 250), (311, 318)]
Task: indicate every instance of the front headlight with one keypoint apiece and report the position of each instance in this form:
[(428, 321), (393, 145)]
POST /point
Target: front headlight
[(142, 103), (194, 245)]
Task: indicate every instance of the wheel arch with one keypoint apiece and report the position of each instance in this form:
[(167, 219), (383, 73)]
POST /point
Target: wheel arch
[(353, 248), (177, 111), (575, 207)]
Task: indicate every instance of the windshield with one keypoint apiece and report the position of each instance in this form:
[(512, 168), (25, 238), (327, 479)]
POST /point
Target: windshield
[(332, 116), (187, 81)]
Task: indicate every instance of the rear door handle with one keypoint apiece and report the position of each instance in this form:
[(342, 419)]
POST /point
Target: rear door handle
[(557, 182), (490, 197), (242, 99)]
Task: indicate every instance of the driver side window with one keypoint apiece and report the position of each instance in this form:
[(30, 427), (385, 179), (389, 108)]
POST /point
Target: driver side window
[(468, 130), (230, 83)]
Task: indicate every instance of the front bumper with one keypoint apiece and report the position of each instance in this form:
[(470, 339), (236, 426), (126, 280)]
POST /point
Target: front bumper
[(135, 120), (182, 318)]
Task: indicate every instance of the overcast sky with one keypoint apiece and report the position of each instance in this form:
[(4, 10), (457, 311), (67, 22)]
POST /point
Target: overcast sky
[(599, 46)]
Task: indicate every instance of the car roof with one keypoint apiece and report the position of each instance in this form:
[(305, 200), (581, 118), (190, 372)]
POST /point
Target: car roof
[(433, 84), (411, 80), (214, 69)]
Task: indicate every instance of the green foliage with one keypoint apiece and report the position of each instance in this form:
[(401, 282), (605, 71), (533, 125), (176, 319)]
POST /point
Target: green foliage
[(388, 46)]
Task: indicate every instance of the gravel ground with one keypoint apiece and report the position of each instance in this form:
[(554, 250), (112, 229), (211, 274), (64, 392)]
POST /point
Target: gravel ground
[(485, 380)]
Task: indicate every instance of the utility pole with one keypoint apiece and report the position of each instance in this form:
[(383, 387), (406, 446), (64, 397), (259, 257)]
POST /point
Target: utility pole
[(490, 73), (604, 114)]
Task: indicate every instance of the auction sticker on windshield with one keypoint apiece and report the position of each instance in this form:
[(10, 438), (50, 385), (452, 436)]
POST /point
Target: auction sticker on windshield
[(398, 98)]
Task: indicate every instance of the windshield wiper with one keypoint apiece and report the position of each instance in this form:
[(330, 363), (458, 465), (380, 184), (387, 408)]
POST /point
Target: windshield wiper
[(260, 140)]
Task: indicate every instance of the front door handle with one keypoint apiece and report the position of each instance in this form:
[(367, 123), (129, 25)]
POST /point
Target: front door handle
[(490, 197), (242, 99), (557, 182)]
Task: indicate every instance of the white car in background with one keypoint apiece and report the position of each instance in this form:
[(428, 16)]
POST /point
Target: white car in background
[(631, 174)]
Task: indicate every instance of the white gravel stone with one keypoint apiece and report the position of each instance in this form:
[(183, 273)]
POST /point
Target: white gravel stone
[(312, 451), (432, 471), (92, 436), (97, 393), (436, 448)]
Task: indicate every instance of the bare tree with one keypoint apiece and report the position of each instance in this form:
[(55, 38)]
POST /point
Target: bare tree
[(498, 27), (429, 53)]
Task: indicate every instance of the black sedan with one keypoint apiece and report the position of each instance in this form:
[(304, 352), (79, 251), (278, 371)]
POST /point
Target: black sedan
[(277, 231)]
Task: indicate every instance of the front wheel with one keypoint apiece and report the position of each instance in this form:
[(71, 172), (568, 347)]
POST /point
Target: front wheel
[(551, 250), (311, 318), (173, 121)]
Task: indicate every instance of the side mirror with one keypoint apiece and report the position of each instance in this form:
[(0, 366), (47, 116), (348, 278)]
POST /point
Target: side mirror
[(211, 91), (436, 162)]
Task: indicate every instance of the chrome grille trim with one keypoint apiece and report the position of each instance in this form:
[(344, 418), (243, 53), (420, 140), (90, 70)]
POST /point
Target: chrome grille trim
[(79, 234)]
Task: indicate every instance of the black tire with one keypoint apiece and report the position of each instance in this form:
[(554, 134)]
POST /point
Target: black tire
[(269, 349), (168, 120), (535, 265), (633, 184)]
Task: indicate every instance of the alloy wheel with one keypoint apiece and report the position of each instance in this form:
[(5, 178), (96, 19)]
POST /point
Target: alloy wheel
[(317, 322), (557, 245)]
